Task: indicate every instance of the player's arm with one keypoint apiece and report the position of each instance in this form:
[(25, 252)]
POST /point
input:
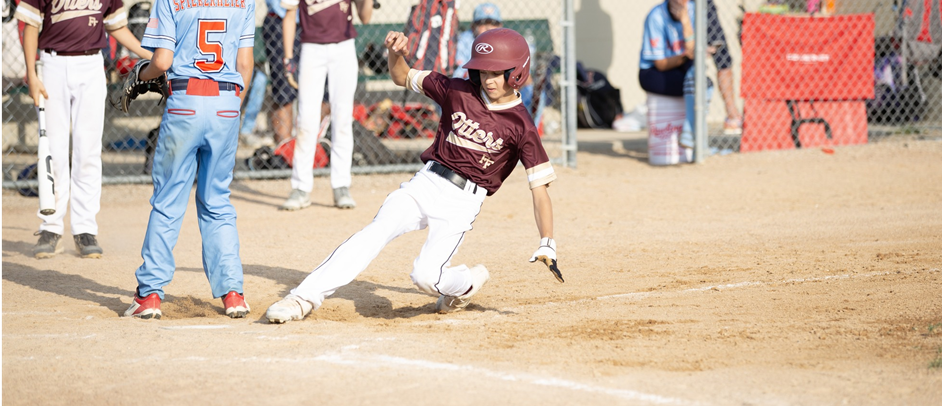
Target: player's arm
[(364, 10), (30, 44), (288, 31), (543, 211), (398, 45), (245, 63), (159, 64), (124, 37)]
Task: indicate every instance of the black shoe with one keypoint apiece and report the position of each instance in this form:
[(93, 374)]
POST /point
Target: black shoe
[(47, 246), (87, 246)]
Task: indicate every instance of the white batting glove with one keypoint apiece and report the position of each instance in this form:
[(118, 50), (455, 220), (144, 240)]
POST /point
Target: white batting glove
[(547, 255), (547, 250)]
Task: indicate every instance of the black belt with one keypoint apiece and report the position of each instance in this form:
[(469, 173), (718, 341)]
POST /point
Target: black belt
[(451, 176), (67, 53), (179, 85)]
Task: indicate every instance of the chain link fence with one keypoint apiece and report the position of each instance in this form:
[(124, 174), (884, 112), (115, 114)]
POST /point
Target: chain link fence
[(391, 126), (819, 73)]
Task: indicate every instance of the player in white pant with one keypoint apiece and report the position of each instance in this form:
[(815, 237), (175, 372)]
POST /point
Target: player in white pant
[(73, 84), (327, 53), (318, 62), (484, 132)]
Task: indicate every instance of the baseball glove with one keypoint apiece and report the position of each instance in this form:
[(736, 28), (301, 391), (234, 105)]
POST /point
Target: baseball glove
[(547, 255), (134, 87)]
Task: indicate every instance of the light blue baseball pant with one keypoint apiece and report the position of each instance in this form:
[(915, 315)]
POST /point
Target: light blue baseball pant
[(198, 139)]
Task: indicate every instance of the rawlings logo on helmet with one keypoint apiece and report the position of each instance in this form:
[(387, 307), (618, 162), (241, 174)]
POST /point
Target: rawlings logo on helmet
[(483, 48)]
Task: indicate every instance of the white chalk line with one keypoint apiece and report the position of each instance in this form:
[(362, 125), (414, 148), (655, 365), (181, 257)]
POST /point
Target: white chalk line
[(348, 356), (758, 283), (535, 380), (643, 295)]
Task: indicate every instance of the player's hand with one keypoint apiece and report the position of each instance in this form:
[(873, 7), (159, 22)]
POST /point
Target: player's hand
[(37, 90), (397, 43), (678, 9), (547, 255), (291, 72), (547, 249)]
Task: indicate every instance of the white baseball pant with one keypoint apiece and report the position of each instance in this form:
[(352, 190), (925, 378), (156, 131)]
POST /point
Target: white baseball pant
[(427, 200), (336, 63), (76, 89)]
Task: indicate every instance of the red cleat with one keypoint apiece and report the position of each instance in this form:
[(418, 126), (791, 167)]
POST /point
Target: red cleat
[(145, 308), (235, 305)]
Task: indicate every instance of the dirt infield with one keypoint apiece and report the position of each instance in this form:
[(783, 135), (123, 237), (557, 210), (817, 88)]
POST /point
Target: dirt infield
[(775, 278)]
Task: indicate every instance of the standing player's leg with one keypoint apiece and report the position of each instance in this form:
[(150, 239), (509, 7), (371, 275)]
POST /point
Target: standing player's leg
[(57, 129), (342, 72), (217, 216), (173, 174), (312, 72), (88, 118)]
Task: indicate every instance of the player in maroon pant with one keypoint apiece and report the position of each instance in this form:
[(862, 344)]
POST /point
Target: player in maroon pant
[(484, 132)]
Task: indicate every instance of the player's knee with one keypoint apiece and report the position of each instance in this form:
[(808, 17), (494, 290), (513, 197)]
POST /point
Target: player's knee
[(425, 281)]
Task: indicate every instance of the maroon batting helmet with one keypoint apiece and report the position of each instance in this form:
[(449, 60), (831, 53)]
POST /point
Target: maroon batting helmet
[(500, 49)]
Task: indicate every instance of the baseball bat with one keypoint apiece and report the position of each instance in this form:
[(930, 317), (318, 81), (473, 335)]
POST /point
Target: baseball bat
[(47, 188)]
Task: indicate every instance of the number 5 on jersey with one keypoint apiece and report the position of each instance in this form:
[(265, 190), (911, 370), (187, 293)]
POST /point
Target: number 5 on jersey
[(212, 49)]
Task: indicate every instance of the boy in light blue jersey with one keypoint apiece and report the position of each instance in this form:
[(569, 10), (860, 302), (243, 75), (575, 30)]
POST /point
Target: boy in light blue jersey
[(205, 48), (666, 63)]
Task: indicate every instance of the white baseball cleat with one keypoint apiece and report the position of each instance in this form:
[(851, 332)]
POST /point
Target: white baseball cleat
[(297, 200), (292, 307), (451, 304), (342, 198)]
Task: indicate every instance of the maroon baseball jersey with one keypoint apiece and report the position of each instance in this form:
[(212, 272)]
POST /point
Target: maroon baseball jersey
[(480, 140), (324, 21), (73, 26)]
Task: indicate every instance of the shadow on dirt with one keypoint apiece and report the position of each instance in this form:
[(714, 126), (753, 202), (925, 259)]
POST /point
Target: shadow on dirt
[(636, 149), (24, 248), (81, 288), (242, 191), (366, 296), (73, 286)]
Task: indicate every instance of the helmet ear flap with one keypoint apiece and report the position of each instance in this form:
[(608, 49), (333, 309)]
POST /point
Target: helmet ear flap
[(474, 76), (511, 79)]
